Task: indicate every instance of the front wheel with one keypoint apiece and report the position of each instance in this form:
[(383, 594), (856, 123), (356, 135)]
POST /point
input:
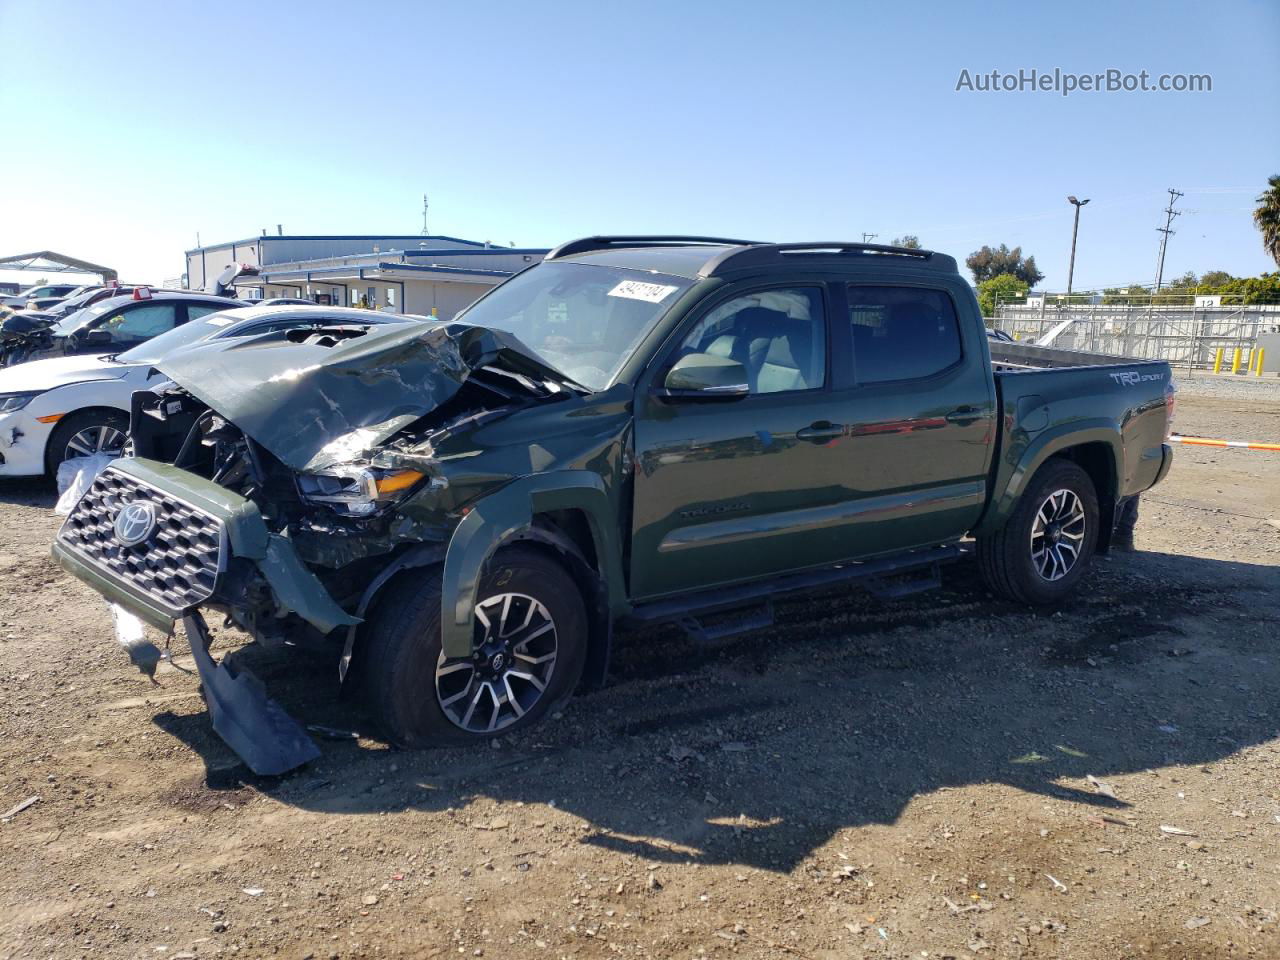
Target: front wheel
[(88, 433), (1046, 545), (528, 651)]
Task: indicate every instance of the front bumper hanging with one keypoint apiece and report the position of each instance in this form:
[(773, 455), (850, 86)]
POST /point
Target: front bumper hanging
[(198, 529), (253, 725)]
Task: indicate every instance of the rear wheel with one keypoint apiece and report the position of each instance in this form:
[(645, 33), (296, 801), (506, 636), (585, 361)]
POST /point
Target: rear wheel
[(86, 434), (528, 650), (1046, 545)]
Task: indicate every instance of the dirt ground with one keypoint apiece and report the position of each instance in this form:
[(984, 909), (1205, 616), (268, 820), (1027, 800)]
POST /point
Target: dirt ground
[(939, 776)]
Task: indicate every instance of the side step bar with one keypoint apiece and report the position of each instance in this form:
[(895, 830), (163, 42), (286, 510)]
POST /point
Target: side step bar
[(871, 574)]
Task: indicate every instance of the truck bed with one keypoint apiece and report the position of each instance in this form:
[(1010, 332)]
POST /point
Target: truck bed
[(1119, 407), (1016, 357)]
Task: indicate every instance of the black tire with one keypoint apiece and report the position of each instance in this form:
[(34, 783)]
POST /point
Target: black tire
[(401, 652), (70, 426), (1007, 558)]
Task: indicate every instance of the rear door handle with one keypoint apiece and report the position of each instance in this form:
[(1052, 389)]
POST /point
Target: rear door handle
[(821, 431), (966, 415)]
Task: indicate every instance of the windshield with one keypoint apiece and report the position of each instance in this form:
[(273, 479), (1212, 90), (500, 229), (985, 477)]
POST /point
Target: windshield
[(74, 321), (154, 349), (36, 293), (582, 319), (72, 304)]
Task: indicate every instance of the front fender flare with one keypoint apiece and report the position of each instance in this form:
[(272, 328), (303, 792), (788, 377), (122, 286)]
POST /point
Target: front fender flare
[(501, 516)]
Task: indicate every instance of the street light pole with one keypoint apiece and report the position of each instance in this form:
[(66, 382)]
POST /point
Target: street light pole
[(1071, 270)]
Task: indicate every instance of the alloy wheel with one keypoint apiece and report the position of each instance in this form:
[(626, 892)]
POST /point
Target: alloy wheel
[(95, 440), (1057, 535), (509, 669)]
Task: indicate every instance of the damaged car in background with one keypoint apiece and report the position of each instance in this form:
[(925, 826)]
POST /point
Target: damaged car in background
[(635, 430), (64, 410)]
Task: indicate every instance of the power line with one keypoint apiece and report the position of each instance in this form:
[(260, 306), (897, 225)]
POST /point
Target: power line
[(1165, 233)]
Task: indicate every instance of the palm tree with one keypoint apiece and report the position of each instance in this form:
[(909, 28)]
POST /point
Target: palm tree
[(1267, 218)]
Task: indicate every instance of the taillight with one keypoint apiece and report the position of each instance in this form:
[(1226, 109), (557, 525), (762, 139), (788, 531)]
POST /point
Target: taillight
[(1170, 406)]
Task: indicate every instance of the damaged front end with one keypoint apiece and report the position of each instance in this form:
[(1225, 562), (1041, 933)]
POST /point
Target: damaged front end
[(278, 479)]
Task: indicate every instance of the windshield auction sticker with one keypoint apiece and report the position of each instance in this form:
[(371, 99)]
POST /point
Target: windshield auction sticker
[(638, 290)]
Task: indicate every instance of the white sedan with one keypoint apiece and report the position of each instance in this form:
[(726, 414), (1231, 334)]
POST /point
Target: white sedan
[(64, 407)]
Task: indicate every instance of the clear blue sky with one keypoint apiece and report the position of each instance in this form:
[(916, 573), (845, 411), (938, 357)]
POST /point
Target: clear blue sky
[(133, 125)]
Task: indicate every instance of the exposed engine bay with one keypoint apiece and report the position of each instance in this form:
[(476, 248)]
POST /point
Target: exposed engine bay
[(350, 427)]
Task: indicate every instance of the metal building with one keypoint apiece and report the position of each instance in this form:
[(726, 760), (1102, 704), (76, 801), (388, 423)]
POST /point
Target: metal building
[(402, 274)]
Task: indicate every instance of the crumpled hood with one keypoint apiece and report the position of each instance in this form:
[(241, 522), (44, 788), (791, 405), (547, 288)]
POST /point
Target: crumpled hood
[(58, 372), (313, 405)]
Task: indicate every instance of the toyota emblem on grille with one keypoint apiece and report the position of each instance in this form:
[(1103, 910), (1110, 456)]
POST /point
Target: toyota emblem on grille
[(135, 522)]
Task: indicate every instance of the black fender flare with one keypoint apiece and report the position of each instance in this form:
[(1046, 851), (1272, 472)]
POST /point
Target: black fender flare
[(423, 555), (595, 596)]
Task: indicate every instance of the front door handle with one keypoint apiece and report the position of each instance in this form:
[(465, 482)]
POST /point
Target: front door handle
[(820, 432), (966, 415)]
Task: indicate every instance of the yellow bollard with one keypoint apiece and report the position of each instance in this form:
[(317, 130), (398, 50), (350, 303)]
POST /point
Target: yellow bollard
[(1217, 360), (1258, 369), (1235, 360)]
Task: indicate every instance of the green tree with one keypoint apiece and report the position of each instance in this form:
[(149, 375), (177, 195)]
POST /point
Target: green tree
[(1124, 296), (991, 262), (1212, 280), (1267, 218), (1263, 289), (910, 241), (1003, 287), (1178, 290)]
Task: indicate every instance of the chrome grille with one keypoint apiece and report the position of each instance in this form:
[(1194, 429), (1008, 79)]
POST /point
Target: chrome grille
[(176, 566)]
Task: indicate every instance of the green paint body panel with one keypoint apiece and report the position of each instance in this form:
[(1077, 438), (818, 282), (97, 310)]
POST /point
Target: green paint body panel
[(727, 493), (1072, 407), (677, 496)]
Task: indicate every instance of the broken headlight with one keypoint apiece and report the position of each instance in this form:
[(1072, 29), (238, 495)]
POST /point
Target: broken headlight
[(358, 491)]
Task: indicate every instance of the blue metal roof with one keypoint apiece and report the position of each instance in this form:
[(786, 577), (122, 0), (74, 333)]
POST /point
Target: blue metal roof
[(433, 268), (417, 237), (270, 276), (487, 252)]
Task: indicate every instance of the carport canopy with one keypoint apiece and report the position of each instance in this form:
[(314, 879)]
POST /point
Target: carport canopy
[(47, 261)]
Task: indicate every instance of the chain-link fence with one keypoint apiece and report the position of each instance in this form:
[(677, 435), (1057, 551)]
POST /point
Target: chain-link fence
[(1189, 335)]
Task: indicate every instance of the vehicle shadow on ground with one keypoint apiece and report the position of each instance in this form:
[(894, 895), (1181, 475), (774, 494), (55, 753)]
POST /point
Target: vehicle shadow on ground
[(28, 492), (757, 752)]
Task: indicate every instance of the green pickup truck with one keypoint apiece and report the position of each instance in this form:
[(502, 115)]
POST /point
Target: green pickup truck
[(636, 429)]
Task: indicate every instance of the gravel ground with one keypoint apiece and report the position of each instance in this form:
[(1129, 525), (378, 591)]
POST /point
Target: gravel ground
[(1223, 386), (945, 775)]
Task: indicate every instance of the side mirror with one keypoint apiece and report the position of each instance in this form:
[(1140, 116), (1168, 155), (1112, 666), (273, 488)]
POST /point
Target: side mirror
[(97, 337), (704, 376)]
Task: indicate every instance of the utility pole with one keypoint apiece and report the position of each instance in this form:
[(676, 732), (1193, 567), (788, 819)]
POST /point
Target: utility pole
[(868, 237), (425, 206), (1071, 270), (1166, 233)]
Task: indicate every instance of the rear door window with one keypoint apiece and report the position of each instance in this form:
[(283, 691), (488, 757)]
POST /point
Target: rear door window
[(136, 324), (197, 310), (902, 333)]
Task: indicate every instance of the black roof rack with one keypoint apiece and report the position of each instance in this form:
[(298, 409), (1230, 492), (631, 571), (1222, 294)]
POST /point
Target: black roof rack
[(588, 244), (764, 253)]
